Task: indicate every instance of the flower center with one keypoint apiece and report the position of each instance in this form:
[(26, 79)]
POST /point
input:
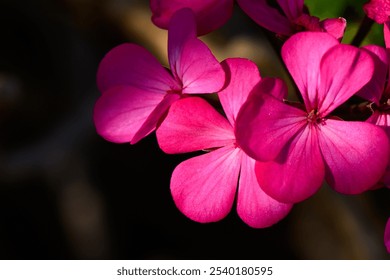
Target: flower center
[(314, 118)]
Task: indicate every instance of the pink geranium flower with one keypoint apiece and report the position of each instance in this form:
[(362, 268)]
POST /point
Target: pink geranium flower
[(378, 10), (378, 90), (138, 90), (204, 187), (210, 14), (387, 236), (297, 148), (292, 17)]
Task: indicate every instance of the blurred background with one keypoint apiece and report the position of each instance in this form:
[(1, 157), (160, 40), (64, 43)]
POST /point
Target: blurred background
[(65, 193)]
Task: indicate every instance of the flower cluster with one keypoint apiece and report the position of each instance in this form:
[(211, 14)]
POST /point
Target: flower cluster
[(270, 152)]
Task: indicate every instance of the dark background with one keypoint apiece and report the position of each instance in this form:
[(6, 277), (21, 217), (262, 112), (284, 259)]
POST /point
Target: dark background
[(65, 193)]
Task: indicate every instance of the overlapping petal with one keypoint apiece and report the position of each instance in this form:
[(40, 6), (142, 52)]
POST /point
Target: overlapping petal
[(298, 171), (191, 61), (204, 187), (210, 14), (199, 70), (192, 124), (254, 206), (375, 87), (344, 70), (356, 155), (130, 64), (241, 75), (266, 16), (155, 117), (302, 54), (182, 28), (121, 111), (265, 125), (378, 10)]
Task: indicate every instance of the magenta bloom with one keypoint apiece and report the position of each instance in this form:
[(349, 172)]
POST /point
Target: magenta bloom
[(204, 187), (378, 90), (378, 10), (387, 236), (138, 90), (210, 14), (297, 148), (293, 18)]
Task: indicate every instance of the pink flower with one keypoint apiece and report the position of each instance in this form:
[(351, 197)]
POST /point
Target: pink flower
[(137, 90), (292, 17), (378, 10), (378, 91), (210, 14), (204, 187), (387, 236), (297, 148)]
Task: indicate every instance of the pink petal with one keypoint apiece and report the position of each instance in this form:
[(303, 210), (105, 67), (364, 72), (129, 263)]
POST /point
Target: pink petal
[(386, 33), (265, 124), (377, 10), (291, 8), (200, 71), (210, 14), (191, 61), (130, 64), (266, 16), (272, 86), (155, 117), (345, 69), (297, 173), (182, 28), (204, 187), (192, 124), (335, 27), (255, 207), (120, 112), (355, 153), (383, 121), (302, 54), (242, 75), (387, 236), (373, 90)]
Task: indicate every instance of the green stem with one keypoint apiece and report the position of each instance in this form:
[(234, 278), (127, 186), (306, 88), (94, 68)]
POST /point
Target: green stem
[(364, 28)]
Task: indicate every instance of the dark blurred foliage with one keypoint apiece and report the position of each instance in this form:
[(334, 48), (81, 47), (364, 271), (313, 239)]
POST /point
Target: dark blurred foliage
[(65, 193)]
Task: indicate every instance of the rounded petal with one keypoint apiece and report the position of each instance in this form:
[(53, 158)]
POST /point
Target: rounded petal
[(302, 54), (254, 206), (387, 236), (199, 71), (344, 70), (241, 75), (191, 61), (297, 173), (355, 153), (335, 27), (121, 111), (132, 65), (265, 125), (210, 14), (203, 187), (266, 16), (373, 90), (192, 124), (377, 10)]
